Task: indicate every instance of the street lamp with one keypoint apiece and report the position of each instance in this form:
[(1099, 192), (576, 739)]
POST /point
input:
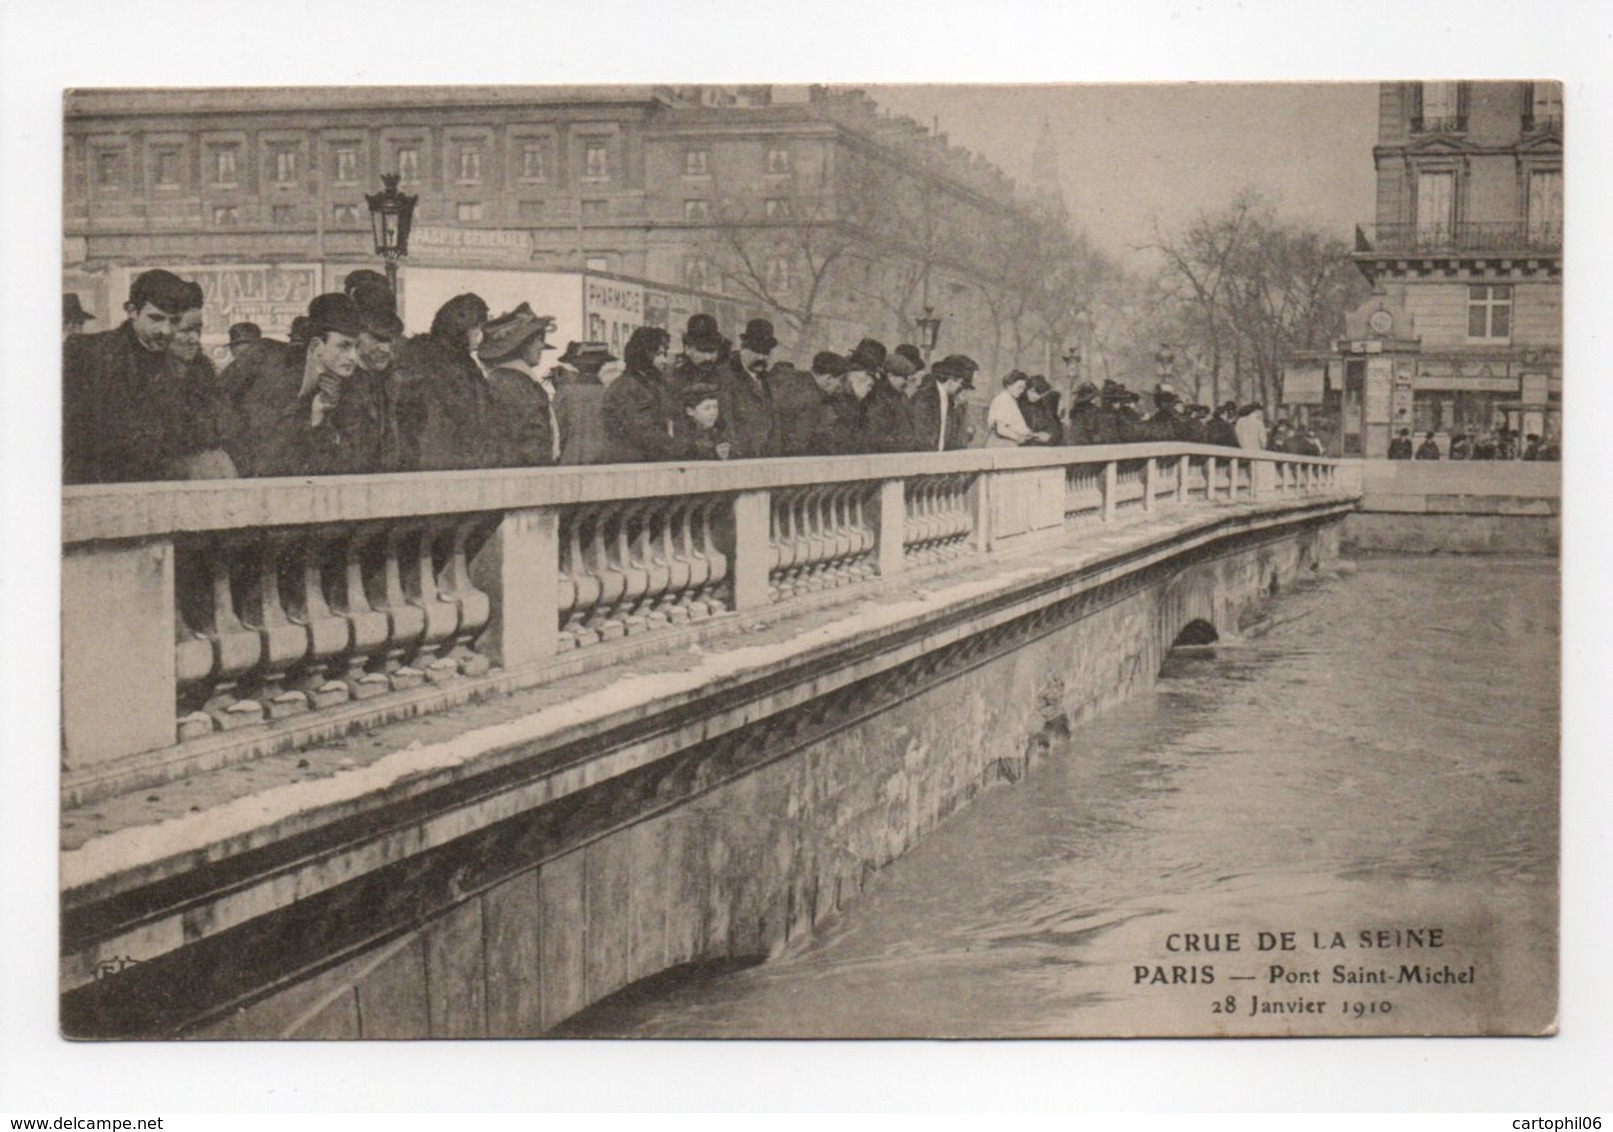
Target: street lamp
[(1072, 365), (929, 330), (391, 214)]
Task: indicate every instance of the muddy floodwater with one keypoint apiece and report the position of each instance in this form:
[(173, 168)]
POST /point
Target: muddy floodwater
[(1346, 823)]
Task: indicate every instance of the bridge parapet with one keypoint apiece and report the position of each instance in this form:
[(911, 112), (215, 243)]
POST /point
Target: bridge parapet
[(205, 623)]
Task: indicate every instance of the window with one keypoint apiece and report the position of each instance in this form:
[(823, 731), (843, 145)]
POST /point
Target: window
[(344, 214), (778, 159), (534, 163), (285, 166), (1436, 202), (284, 213), (408, 163), (1545, 105), (778, 208), (109, 169), (469, 211), (346, 166), (696, 273), (696, 163), (778, 273), (594, 164), (470, 164), (1441, 107), (1546, 208), (697, 210), (223, 164), (167, 168), (1489, 313), (225, 215)]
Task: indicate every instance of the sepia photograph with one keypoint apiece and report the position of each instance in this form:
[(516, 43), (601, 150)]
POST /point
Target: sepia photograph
[(540, 561), (564, 572)]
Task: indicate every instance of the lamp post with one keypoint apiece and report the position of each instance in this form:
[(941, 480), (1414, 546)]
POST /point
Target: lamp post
[(1072, 367), (929, 330), (391, 216)]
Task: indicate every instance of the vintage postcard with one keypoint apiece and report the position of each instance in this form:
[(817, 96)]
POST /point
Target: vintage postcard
[(833, 561)]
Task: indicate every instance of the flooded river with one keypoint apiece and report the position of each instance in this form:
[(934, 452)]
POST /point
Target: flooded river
[(1344, 824)]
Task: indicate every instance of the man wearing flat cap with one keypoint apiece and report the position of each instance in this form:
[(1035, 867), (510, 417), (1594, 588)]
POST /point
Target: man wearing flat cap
[(513, 346), (746, 393), (883, 422), (128, 415), (289, 413)]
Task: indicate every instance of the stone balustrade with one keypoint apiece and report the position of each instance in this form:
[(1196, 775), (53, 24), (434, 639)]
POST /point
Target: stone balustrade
[(205, 622)]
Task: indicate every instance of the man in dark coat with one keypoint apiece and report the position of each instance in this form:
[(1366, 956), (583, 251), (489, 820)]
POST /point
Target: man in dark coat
[(1429, 448), (936, 411), (1039, 407), (807, 422), (366, 415), (513, 344), (639, 407), (1083, 427), (128, 412), (444, 402), (703, 347), (1196, 424), (1118, 422), (288, 400), (746, 393), (1223, 430), (1400, 447), (881, 420)]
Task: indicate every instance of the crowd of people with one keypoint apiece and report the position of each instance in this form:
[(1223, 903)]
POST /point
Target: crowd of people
[(349, 393), (1497, 444)]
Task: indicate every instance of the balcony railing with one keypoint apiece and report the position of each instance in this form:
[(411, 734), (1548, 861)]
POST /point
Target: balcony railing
[(209, 623), (1467, 238)]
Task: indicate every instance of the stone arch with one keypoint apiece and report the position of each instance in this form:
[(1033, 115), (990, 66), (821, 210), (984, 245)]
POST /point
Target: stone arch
[(1196, 632)]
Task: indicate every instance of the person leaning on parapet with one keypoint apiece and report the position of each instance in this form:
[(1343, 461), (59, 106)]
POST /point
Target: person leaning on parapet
[(1222, 430), (1251, 427), (287, 399), (1400, 448), (1429, 448), (903, 374), (936, 409), (366, 413), (128, 413), (523, 421), (703, 347), (1083, 422), (746, 392), (579, 402), (1117, 420), (698, 429), (1006, 426), (444, 404), (881, 418), (639, 407), (806, 419)]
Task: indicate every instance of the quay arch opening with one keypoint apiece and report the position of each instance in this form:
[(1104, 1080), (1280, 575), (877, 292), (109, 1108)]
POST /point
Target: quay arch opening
[(1196, 633)]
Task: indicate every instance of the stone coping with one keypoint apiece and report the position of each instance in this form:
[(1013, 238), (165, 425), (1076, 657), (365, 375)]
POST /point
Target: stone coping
[(101, 512), (946, 606)]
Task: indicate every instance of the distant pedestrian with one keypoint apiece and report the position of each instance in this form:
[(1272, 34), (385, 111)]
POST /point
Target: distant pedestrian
[(1461, 446), (1400, 448), (1428, 449), (1251, 427)]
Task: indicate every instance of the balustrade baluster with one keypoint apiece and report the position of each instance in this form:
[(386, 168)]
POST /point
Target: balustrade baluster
[(805, 560), (412, 544), (603, 618), (866, 564), (383, 585), (368, 628), (455, 586), (258, 558), (306, 605)]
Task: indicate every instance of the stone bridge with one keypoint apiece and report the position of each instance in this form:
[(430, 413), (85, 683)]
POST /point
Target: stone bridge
[(458, 755)]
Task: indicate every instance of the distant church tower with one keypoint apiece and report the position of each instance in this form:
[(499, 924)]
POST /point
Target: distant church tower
[(1046, 190)]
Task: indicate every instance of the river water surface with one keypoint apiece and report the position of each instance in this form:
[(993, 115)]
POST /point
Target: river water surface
[(1345, 824)]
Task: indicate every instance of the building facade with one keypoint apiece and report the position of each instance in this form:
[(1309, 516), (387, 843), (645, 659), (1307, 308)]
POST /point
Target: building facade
[(1463, 332), (818, 211)]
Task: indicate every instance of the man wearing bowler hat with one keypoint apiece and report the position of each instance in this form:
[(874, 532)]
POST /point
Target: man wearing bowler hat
[(746, 393), (289, 402), (127, 414), (703, 347), (512, 347), (243, 336)]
